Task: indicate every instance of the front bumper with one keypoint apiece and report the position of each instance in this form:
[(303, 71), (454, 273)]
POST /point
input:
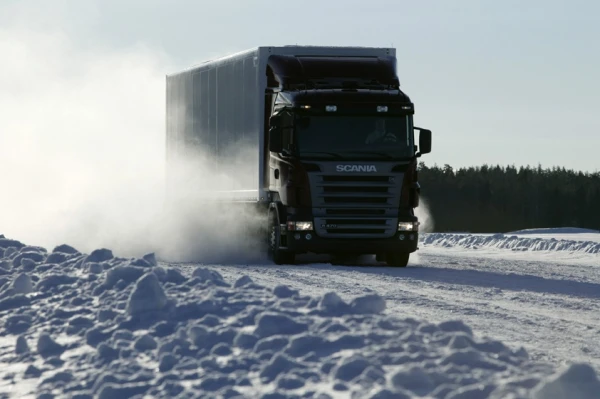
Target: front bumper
[(297, 242)]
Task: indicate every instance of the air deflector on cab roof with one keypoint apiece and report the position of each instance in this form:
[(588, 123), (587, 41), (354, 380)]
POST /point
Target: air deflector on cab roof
[(313, 70)]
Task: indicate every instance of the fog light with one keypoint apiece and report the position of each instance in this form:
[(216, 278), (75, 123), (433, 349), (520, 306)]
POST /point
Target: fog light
[(412, 236), (308, 236), (299, 226), (401, 237), (297, 236)]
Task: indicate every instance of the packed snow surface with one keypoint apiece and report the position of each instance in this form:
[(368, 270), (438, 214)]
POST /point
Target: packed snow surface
[(94, 325)]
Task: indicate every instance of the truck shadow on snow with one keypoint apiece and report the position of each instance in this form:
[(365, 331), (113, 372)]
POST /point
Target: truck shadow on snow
[(418, 272), (485, 279)]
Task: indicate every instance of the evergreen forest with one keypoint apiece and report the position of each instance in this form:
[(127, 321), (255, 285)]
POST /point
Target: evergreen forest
[(488, 199)]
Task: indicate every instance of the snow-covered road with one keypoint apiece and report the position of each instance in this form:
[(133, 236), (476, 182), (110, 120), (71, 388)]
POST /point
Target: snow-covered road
[(546, 301), (450, 326)]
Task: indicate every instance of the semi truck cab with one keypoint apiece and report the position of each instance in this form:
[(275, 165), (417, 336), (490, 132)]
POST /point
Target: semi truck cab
[(342, 159)]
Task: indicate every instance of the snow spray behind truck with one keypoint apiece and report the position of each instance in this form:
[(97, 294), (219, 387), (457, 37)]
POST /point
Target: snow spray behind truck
[(333, 160)]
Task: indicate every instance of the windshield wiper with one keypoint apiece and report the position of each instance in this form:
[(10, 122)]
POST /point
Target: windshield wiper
[(354, 155), (377, 153), (319, 153)]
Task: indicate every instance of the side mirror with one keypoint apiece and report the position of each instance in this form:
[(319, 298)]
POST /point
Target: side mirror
[(424, 140), (275, 139)]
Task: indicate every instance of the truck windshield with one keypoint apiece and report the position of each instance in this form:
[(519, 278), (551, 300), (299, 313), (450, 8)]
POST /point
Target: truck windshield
[(354, 136)]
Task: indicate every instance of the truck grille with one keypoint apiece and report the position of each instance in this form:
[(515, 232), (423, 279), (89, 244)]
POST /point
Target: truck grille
[(355, 206)]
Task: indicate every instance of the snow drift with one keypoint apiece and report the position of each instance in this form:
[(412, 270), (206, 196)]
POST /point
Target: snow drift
[(101, 326), (557, 230), (509, 242)]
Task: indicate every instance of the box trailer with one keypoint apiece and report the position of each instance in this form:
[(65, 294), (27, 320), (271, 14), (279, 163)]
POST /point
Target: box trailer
[(319, 139)]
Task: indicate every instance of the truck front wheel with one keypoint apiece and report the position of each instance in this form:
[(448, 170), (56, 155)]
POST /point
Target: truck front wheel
[(397, 259), (276, 254)]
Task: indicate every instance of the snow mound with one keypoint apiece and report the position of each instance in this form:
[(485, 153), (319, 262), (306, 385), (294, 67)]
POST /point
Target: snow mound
[(556, 230), (147, 296), (22, 284), (113, 328), (509, 242), (578, 381)]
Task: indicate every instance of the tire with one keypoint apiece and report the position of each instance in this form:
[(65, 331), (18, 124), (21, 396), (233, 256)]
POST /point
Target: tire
[(276, 255), (397, 259)]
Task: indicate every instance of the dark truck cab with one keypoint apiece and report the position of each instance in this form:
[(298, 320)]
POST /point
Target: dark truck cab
[(342, 159)]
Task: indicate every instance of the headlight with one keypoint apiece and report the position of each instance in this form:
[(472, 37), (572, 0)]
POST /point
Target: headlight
[(408, 226), (299, 226)]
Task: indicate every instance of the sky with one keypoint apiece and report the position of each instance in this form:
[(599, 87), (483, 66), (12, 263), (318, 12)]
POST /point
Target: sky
[(508, 82)]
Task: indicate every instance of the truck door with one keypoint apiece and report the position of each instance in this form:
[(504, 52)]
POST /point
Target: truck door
[(279, 165)]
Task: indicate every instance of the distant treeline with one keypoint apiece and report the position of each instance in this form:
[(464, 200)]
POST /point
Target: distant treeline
[(501, 199)]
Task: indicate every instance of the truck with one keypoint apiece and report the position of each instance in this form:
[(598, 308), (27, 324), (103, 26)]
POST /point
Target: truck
[(319, 140)]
